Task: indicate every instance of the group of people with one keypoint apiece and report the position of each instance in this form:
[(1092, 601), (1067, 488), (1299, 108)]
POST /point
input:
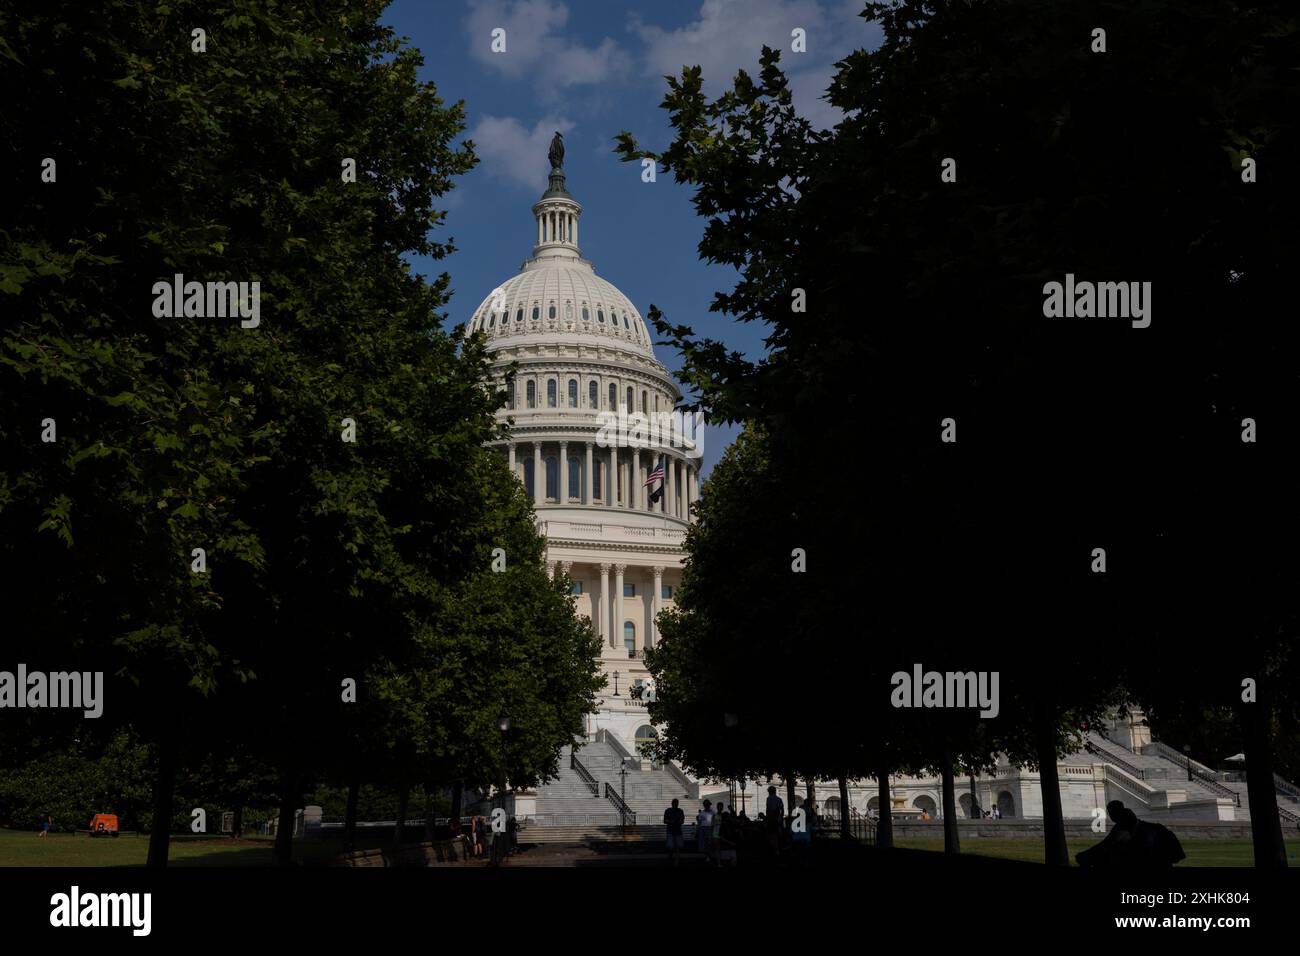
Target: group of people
[(721, 832), (478, 839)]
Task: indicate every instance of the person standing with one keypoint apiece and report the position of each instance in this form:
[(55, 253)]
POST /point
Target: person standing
[(45, 826), (674, 818), (773, 817), (704, 830)]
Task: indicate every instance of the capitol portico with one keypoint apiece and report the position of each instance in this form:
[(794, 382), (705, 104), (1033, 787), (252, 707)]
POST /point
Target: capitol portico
[(591, 413)]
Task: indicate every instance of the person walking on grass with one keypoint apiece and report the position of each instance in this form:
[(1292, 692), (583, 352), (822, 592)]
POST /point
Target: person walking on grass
[(45, 826)]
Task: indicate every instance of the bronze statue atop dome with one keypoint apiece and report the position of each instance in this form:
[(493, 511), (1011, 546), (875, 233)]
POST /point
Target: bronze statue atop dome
[(556, 152)]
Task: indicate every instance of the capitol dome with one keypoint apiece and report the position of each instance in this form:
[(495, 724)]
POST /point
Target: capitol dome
[(558, 291), (594, 437)]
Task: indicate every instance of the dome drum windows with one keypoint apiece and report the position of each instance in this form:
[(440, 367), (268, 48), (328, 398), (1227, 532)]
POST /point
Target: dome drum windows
[(551, 393), (573, 393), (532, 394), (593, 395)]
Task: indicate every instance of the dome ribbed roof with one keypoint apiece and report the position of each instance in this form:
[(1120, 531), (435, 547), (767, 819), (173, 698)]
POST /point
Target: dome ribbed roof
[(557, 293)]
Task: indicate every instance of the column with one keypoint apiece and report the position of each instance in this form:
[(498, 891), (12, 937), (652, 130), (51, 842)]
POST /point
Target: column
[(588, 479), (654, 602), (539, 230), (663, 498), (567, 567), (612, 499), (690, 489), (602, 618), (511, 456), (539, 475), (550, 570), (562, 475), (672, 486), (636, 478), (618, 605), (575, 230)]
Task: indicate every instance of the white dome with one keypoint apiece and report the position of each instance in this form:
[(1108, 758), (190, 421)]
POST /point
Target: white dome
[(559, 296), (557, 293)]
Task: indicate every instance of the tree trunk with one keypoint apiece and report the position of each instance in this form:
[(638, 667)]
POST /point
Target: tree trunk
[(163, 788), (428, 814), (283, 854), (403, 800), (350, 814), (846, 831), (951, 833), (1055, 850), (457, 796), (810, 798), (789, 792), (237, 828), (1261, 796), (885, 821)]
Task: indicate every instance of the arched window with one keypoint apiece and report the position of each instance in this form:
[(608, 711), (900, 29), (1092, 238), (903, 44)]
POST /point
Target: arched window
[(629, 638), (536, 313), (528, 476), (492, 321), (532, 394), (511, 391), (519, 315), (625, 325), (593, 395), (550, 394), (613, 397), (573, 393), (552, 478), (586, 316), (598, 479), (644, 402), (630, 404), (600, 315), (568, 311), (575, 476), (550, 312), (656, 401)]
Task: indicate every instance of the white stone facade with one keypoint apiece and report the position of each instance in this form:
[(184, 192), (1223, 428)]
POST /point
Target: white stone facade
[(584, 357)]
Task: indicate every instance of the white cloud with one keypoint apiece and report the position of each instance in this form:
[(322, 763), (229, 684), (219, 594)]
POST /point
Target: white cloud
[(508, 150), (728, 35), (539, 48)]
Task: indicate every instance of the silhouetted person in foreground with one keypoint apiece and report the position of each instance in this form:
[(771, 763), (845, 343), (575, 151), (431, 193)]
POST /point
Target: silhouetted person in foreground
[(1133, 844), (674, 817)]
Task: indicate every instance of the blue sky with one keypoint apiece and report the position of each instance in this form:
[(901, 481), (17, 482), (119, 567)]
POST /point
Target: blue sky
[(591, 68)]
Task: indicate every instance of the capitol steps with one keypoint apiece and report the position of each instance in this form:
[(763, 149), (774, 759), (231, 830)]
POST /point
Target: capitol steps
[(566, 804)]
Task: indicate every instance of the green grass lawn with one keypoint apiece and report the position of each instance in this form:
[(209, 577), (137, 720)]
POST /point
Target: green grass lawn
[(25, 848), (1199, 852)]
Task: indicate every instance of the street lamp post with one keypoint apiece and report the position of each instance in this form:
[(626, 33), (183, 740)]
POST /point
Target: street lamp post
[(498, 840), (615, 683)]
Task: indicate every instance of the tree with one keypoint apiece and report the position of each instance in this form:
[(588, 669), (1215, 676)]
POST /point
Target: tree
[(988, 420)]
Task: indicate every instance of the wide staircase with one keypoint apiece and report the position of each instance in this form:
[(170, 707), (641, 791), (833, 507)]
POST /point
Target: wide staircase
[(1161, 767), (583, 803)]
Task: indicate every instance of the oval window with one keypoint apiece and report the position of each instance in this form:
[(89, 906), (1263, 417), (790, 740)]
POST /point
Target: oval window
[(550, 312), (600, 315), (519, 316), (536, 313), (586, 316)]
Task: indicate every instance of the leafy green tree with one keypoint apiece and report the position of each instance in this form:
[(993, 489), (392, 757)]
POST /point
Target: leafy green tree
[(925, 312)]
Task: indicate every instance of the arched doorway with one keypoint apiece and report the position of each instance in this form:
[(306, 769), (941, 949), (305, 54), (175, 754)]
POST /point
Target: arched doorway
[(645, 737), (963, 806), (1006, 804), (925, 803)]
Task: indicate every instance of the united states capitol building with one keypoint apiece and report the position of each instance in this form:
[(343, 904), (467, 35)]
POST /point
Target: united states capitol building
[(591, 413)]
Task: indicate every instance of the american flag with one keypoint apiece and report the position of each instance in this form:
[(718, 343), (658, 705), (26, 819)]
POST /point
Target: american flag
[(657, 474)]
